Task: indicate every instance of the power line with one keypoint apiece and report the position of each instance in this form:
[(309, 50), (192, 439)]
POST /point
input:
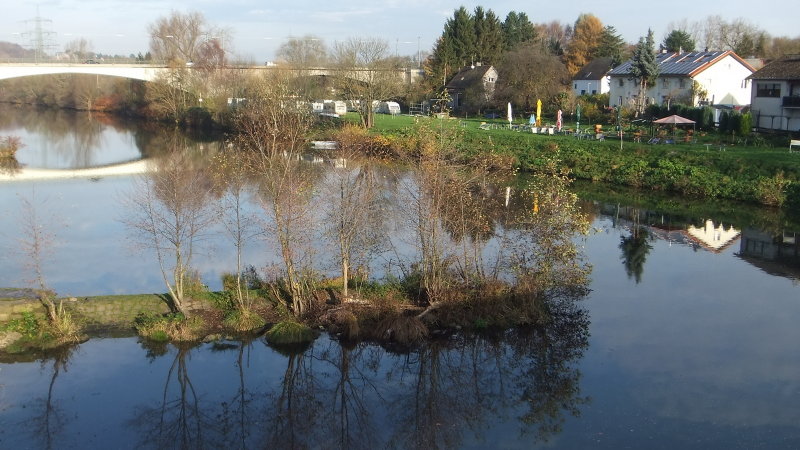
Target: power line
[(39, 39)]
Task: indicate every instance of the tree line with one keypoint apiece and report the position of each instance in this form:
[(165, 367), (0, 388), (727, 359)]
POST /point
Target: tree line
[(534, 61)]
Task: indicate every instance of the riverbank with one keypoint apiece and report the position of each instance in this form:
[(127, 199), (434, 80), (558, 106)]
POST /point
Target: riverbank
[(380, 315), (714, 166)]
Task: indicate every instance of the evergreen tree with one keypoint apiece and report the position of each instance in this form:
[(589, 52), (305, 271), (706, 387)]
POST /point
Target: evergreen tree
[(678, 40), (644, 67), (441, 64), (460, 30), (488, 36), (517, 28), (611, 45), (454, 49)]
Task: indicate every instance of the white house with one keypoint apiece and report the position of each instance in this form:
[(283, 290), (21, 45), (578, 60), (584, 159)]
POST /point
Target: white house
[(696, 78), (775, 95), (593, 78)]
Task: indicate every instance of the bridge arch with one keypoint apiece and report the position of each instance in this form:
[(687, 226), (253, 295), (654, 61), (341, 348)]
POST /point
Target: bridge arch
[(143, 72)]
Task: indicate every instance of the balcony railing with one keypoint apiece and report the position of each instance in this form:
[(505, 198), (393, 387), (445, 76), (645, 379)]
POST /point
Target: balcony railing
[(791, 102)]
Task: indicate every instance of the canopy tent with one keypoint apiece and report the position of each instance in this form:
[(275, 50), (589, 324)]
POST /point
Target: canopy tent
[(675, 120)]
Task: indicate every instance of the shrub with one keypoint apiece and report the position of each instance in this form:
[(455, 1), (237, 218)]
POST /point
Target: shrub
[(28, 325), (402, 329), (772, 190), (172, 327), (289, 332), (229, 281), (243, 320)]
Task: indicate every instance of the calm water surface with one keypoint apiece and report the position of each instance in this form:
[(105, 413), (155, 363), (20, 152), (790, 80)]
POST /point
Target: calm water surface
[(687, 340)]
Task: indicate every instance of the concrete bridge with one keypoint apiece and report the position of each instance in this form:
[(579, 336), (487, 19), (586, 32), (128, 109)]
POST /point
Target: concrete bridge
[(149, 72), (146, 72)]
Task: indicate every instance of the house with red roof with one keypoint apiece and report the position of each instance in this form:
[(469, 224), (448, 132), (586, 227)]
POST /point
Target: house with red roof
[(691, 78)]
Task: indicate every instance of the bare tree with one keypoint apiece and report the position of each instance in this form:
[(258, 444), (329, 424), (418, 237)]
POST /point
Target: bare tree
[(231, 175), (353, 212), (366, 74), (167, 95), (436, 186), (37, 244), (303, 52), (272, 128), (79, 49), (272, 121), (181, 37), (169, 212), (196, 55), (285, 194)]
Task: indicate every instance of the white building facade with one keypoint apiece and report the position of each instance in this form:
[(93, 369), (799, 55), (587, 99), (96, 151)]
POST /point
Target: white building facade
[(775, 95), (692, 78), (593, 79)]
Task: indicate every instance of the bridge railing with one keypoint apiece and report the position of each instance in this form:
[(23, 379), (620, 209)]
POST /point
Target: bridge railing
[(85, 61)]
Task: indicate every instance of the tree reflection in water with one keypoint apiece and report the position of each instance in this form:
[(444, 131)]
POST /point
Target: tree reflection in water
[(178, 421), (447, 393), (50, 420), (635, 249), (460, 386)]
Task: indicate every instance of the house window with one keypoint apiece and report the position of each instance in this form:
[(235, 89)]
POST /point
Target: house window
[(768, 90), (621, 82), (682, 83), (583, 91), (665, 83), (576, 86)]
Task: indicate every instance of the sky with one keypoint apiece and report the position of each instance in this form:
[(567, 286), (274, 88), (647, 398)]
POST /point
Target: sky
[(258, 27)]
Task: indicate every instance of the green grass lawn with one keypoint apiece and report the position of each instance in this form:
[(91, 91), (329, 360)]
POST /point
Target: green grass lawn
[(709, 146), (713, 166)]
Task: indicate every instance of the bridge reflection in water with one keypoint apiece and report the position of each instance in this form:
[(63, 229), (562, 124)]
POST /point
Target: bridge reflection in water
[(123, 168)]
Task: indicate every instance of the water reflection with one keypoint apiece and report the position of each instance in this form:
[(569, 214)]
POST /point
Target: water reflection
[(773, 248), (635, 248), (49, 417), (179, 420), (775, 253), (57, 139), (457, 391)]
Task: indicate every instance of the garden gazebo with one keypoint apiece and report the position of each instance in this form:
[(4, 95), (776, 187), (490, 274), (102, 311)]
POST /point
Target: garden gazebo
[(675, 120)]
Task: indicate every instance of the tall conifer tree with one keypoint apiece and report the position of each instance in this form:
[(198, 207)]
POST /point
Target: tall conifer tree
[(517, 28), (488, 36), (644, 67)]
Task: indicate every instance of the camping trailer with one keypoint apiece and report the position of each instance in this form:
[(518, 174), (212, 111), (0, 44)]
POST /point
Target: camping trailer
[(392, 108), (335, 107)]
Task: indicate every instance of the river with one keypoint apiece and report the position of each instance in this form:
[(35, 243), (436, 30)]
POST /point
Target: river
[(688, 338)]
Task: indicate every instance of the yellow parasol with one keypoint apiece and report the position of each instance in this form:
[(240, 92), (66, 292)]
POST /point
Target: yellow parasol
[(538, 113)]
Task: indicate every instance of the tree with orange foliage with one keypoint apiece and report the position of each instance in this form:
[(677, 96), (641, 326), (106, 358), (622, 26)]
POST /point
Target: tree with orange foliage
[(586, 39)]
